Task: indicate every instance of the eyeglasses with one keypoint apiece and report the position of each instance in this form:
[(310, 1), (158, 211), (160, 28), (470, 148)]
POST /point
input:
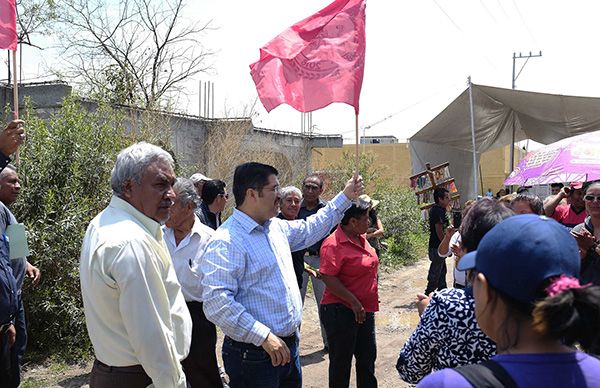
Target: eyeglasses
[(311, 188), (276, 189), (592, 198)]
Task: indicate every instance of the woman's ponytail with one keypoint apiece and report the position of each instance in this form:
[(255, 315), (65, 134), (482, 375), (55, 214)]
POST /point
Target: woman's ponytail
[(572, 315)]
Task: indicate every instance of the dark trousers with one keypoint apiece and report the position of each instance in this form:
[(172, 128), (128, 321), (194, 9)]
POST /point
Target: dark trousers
[(436, 278), (347, 338), (104, 376), (18, 349), (11, 357), (5, 364), (200, 366), (250, 366)]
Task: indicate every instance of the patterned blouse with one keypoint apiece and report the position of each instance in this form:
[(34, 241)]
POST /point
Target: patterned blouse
[(446, 337)]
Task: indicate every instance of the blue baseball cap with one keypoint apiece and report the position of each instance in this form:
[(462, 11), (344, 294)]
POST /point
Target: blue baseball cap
[(519, 253)]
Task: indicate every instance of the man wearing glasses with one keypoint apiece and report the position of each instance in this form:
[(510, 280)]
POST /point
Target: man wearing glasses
[(248, 281), (312, 188), (214, 198)]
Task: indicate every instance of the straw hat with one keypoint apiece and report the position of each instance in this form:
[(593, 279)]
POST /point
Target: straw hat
[(366, 198)]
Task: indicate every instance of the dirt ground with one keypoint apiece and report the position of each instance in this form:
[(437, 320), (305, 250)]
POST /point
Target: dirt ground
[(394, 323)]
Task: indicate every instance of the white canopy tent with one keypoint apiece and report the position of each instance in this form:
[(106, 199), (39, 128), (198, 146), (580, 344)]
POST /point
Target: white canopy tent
[(495, 114)]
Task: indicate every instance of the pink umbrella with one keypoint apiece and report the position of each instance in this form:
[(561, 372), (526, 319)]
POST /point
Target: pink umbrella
[(574, 159)]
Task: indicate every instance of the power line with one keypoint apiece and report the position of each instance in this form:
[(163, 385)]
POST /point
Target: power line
[(448, 16), (488, 11), (407, 107), (525, 24), (502, 8)]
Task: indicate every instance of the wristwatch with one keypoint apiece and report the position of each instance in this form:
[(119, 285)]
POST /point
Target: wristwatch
[(594, 248)]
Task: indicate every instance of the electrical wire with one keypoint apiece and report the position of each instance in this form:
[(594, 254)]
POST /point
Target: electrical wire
[(525, 24), (448, 16)]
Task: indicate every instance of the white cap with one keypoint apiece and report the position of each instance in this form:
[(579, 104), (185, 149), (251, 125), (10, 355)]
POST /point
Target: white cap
[(197, 177)]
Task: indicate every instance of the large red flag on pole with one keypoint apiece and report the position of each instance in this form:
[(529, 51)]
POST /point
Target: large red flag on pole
[(8, 25), (315, 62)]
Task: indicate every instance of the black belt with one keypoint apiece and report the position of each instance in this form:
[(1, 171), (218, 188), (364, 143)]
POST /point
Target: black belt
[(290, 339), (129, 369)]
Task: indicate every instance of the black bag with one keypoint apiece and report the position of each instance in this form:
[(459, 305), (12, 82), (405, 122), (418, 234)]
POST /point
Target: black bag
[(487, 374)]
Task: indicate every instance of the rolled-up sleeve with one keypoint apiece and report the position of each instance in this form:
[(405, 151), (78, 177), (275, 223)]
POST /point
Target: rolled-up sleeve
[(144, 308), (221, 267)]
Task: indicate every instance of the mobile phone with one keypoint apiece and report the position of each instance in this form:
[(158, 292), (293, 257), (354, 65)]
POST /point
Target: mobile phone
[(456, 219)]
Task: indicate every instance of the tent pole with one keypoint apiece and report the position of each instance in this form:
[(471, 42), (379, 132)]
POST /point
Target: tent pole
[(475, 188), (512, 148)]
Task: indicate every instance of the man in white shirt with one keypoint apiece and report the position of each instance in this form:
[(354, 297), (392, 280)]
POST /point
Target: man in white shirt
[(135, 312), (186, 238)]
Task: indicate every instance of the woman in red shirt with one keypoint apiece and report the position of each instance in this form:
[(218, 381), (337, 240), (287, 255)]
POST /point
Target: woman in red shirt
[(349, 270)]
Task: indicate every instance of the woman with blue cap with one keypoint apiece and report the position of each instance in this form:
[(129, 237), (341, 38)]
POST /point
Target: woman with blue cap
[(528, 299)]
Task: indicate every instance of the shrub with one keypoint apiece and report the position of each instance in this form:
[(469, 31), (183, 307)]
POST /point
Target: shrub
[(65, 167), (405, 230)]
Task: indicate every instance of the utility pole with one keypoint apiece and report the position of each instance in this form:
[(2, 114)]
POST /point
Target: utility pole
[(521, 56), (514, 86)]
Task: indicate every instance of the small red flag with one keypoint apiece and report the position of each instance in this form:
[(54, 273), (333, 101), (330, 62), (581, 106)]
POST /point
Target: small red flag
[(8, 25), (315, 62)]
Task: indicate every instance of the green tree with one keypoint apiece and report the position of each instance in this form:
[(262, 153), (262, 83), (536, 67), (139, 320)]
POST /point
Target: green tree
[(405, 230), (65, 167), (337, 174), (34, 17)]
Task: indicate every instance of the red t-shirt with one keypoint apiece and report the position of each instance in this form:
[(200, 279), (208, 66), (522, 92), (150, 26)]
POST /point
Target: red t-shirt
[(354, 266), (567, 216)]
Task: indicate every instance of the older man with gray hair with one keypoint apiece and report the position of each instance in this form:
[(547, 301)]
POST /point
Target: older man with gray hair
[(186, 238), (135, 312), (289, 206)]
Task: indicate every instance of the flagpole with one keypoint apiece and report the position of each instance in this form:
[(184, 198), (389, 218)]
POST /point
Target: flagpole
[(15, 86), (15, 97), (356, 146)]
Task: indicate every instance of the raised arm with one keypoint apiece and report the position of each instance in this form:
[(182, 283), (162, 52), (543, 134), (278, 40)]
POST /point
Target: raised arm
[(552, 202), (304, 233)]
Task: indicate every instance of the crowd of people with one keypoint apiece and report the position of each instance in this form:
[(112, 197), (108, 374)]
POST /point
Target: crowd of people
[(525, 306), (160, 270)]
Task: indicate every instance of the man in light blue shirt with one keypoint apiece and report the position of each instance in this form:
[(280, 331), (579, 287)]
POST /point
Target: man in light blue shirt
[(249, 285)]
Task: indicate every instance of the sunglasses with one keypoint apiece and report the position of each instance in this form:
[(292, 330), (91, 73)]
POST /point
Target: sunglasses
[(312, 187), (226, 196), (592, 198)]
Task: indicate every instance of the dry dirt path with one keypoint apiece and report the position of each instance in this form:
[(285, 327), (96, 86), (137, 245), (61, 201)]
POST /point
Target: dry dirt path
[(394, 323)]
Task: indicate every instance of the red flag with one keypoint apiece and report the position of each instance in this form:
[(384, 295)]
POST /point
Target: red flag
[(315, 62), (8, 25)]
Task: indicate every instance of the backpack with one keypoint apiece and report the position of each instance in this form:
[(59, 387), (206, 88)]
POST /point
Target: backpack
[(487, 374)]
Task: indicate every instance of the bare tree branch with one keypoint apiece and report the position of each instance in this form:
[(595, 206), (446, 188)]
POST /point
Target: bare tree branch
[(144, 47)]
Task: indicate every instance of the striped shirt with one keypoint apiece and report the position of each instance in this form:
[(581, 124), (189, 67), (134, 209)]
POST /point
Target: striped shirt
[(249, 285)]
